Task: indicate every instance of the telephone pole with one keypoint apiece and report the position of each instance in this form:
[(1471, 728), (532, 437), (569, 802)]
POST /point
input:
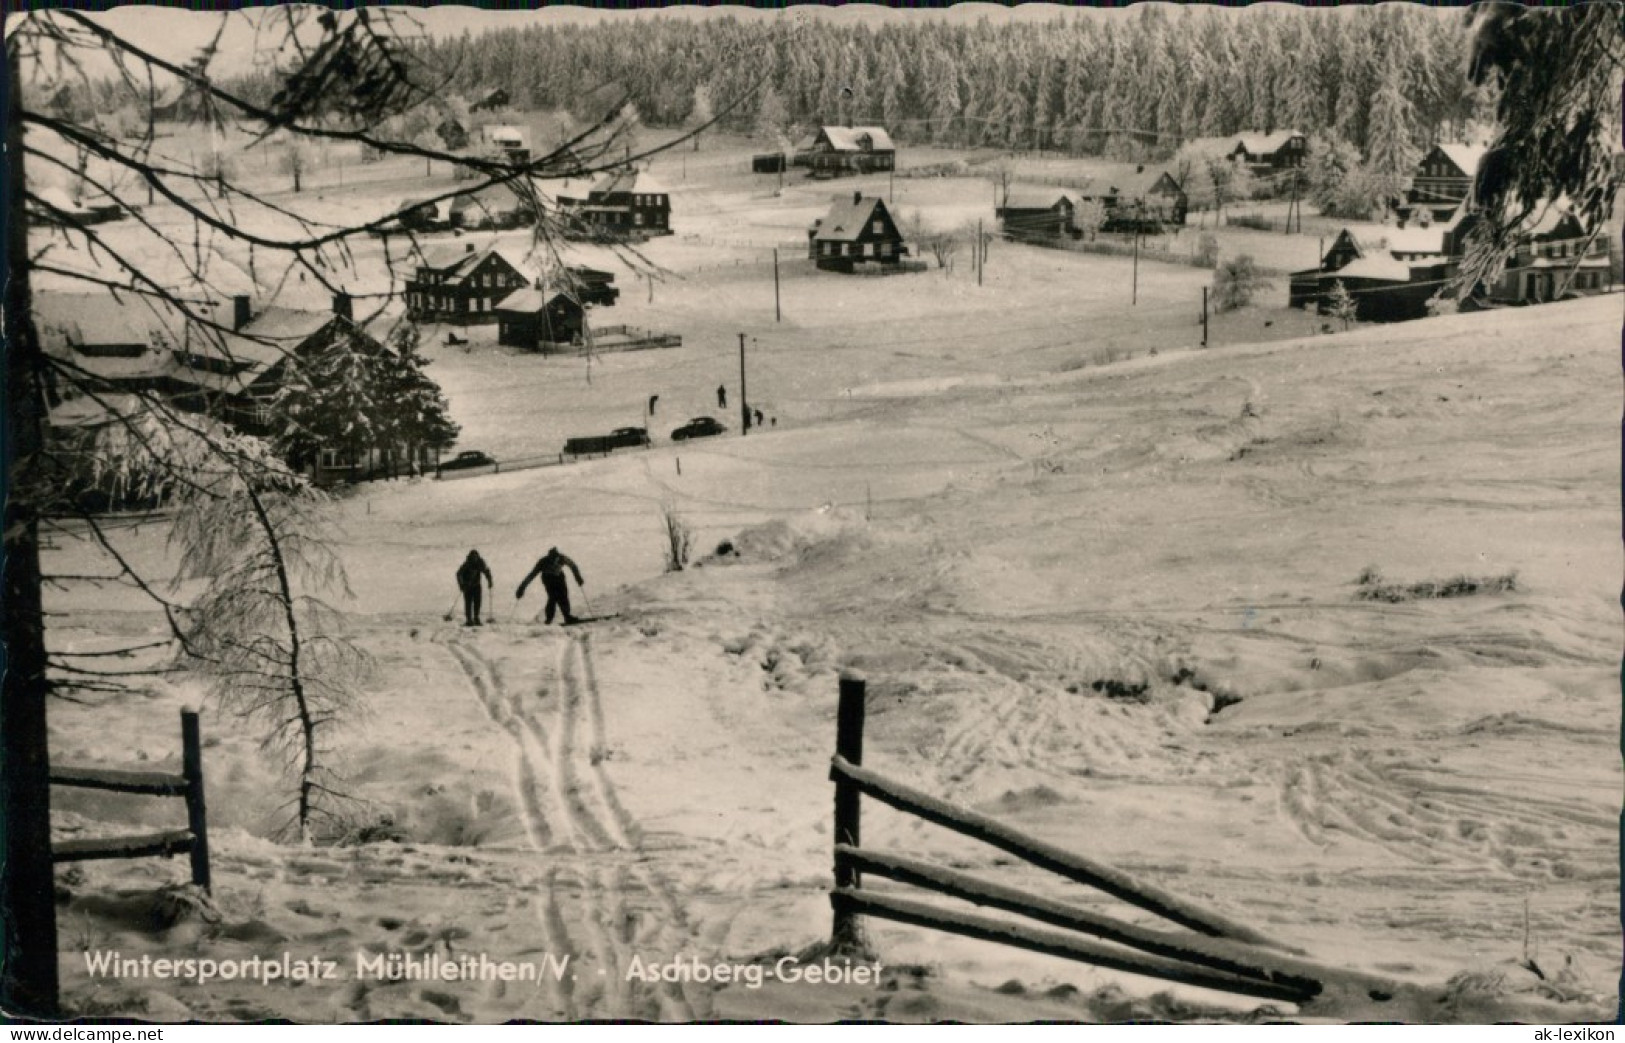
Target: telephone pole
[(981, 255), (1204, 316), (744, 402), (1134, 297), (778, 314)]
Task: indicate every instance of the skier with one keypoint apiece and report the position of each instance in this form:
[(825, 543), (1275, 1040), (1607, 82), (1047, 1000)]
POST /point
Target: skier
[(758, 415), (468, 581), (722, 396), (551, 568), (652, 400)]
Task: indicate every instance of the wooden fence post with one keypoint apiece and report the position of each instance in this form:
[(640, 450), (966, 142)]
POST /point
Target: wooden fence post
[(845, 935), (196, 819)]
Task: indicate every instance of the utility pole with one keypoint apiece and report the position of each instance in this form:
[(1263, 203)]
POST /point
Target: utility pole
[(1134, 297), (1293, 205), (778, 314), (1204, 316), (981, 257), (744, 402)]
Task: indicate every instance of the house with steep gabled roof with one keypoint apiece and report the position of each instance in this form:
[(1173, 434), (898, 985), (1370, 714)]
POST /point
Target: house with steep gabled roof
[(833, 151), (1441, 182), (538, 316), (626, 203), (460, 286), (856, 231)]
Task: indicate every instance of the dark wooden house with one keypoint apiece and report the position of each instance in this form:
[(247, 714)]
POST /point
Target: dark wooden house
[(858, 231), (847, 150), (537, 318), (1272, 152), (626, 204), (1441, 183), (461, 286), (1037, 213), (497, 99)]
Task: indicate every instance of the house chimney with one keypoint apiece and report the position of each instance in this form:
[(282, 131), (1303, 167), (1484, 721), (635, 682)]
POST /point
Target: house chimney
[(857, 197), (341, 306), (242, 310)]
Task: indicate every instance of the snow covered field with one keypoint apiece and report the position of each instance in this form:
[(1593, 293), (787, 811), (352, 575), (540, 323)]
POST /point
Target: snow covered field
[(1104, 586)]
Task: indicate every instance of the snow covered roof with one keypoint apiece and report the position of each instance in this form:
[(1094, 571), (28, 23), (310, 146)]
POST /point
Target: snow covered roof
[(1038, 197), (859, 139), (502, 134), (533, 299), (455, 264), (1382, 265), (67, 319), (1465, 157), (631, 182), (562, 189), (846, 219), (1263, 144)]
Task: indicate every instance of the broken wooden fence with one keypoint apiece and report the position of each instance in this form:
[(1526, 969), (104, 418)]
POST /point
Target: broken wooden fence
[(194, 839), (1212, 951)]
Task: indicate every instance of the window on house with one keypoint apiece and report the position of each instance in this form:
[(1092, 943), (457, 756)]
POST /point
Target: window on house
[(868, 249), (879, 226)]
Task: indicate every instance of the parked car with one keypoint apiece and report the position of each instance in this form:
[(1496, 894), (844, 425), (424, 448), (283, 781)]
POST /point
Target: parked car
[(699, 427), (617, 439), (633, 436), (466, 459)]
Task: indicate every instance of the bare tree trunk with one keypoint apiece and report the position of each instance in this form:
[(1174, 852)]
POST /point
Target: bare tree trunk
[(296, 679), (28, 983)]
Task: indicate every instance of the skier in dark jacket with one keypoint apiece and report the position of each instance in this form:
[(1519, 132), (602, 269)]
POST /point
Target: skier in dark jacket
[(468, 581), (551, 569)]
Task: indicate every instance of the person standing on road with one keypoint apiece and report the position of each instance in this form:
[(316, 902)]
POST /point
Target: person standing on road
[(551, 568), (722, 396), (468, 581)]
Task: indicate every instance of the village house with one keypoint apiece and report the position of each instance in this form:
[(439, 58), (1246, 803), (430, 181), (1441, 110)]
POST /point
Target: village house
[(1555, 258), (537, 318), (1273, 152), (1441, 183), (859, 231), (626, 204), (497, 99), (492, 207), (1030, 212), (1393, 276), (1143, 199), (125, 354), (461, 287), (834, 151), (509, 142)]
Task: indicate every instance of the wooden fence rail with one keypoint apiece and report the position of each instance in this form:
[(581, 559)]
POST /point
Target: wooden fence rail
[(1044, 855), (1054, 943), (194, 839), (1214, 951)]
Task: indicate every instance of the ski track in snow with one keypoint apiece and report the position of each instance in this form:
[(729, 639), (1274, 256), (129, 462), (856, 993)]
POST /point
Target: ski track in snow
[(601, 904)]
